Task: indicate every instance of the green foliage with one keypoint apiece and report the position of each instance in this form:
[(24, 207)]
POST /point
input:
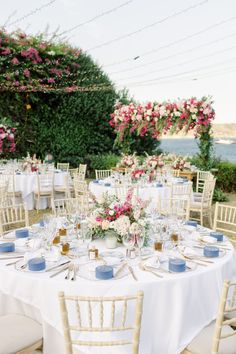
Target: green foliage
[(220, 196), (205, 155), (226, 176), (68, 125), (101, 162)]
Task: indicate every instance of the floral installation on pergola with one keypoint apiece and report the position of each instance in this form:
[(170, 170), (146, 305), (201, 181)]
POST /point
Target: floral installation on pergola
[(166, 117), (33, 64)]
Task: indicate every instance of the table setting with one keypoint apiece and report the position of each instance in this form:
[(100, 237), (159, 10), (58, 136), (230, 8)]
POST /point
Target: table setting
[(118, 248)]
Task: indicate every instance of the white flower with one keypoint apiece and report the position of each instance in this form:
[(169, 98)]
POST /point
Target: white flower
[(121, 225), (142, 222), (51, 52), (135, 228), (111, 212), (105, 225)]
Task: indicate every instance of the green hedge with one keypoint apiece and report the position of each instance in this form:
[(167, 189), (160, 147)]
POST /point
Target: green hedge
[(226, 176)]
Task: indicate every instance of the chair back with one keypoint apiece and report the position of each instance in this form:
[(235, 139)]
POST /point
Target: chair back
[(64, 207), (175, 173), (225, 218), (174, 206), (121, 191), (63, 166), (3, 195), (208, 191), (227, 306), (101, 174), (45, 181), (98, 315), (202, 176), (82, 170), (181, 190), (12, 216)]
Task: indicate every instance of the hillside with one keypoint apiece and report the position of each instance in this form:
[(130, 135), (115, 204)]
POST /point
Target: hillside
[(219, 131)]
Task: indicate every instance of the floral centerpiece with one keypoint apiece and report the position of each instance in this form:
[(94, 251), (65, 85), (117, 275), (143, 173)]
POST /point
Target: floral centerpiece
[(31, 164), (154, 162), (179, 163), (137, 174), (120, 217), (128, 161)]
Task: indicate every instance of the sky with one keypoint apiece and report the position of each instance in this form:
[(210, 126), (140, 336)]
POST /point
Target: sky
[(157, 49)]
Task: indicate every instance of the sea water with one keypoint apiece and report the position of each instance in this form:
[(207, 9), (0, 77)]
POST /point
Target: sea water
[(189, 147)]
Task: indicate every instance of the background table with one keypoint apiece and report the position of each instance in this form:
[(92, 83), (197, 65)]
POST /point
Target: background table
[(146, 193), (176, 307), (26, 183)]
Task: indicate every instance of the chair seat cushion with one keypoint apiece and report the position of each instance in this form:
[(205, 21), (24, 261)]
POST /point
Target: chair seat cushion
[(18, 332), (202, 343)]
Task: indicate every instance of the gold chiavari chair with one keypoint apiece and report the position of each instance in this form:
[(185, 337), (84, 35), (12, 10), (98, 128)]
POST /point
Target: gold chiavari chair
[(218, 337), (44, 188), (101, 174), (63, 207), (116, 308), (225, 219), (63, 166), (174, 206), (175, 173), (12, 217), (202, 176), (82, 171), (203, 205)]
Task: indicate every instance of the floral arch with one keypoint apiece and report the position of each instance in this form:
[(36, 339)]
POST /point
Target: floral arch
[(167, 117)]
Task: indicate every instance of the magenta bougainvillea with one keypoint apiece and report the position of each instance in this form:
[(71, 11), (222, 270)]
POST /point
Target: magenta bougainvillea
[(32, 64), (162, 118), (7, 139)]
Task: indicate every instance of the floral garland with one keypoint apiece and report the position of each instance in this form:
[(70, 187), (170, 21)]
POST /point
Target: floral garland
[(161, 118)]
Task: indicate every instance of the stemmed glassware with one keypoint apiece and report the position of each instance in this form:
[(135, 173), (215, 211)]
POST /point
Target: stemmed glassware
[(140, 237), (129, 242)]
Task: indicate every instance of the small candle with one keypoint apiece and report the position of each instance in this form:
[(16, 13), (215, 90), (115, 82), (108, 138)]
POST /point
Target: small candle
[(111, 242)]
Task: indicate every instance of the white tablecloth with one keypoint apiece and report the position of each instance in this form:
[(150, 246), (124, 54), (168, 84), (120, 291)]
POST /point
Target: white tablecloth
[(176, 307), (146, 193), (26, 183)]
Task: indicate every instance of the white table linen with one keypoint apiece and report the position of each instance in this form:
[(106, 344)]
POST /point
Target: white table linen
[(26, 183), (146, 193), (176, 307)]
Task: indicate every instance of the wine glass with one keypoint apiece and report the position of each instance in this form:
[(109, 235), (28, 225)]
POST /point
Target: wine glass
[(140, 241), (128, 242)]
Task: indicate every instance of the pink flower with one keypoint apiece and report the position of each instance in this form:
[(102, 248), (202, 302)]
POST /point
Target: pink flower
[(26, 73), (15, 61), (51, 81), (6, 51)]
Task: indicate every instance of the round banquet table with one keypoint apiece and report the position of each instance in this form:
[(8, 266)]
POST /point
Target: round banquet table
[(146, 193), (26, 183), (176, 307)]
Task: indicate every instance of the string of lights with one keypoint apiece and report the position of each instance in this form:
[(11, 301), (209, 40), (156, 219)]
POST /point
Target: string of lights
[(181, 63), (132, 68), (104, 13), (141, 29), (31, 13), (183, 39)]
